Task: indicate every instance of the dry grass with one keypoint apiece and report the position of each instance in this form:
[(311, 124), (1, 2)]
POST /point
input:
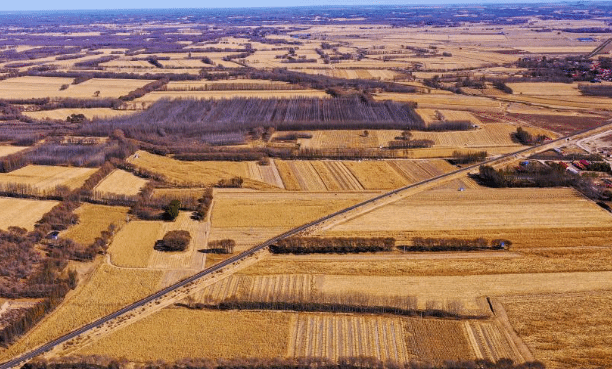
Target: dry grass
[(568, 330), (277, 209), (94, 219), (106, 291), (45, 178), (194, 173), (22, 213), (174, 334), (523, 213), (545, 89), (435, 340), (444, 101), (376, 175), (61, 114), (119, 182), (8, 150)]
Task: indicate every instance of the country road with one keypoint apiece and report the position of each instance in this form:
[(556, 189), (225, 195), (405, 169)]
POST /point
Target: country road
[(326, 221)]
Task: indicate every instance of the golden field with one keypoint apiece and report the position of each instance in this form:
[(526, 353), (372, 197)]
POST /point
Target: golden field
[(263, 94), (40, 87), (133, 246), (44, 178), (107, 290), (173, 334), (197, 174), (22, 212), (233, 209), (93, 219), (527, 217), (8, 150), (568, 330), (119, 182), (91, 114)]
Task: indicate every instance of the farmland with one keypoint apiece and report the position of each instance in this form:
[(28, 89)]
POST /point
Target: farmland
[(120, 182), (8, 150), (22, 212), (41, 87), (44, 179), (94, 219), (92, 113)]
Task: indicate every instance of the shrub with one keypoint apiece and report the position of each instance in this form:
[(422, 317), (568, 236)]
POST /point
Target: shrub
[(172, 210), (225, 246), (175, 241)]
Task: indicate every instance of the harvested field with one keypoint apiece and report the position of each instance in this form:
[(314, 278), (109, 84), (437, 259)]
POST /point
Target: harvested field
[(342, 335), (567, 330), (133, 246), (43, 179), (285, 210), (491, 341), (8, 150), (266, 173), (22, 213), (493, 134), (180, 193), (545, 89), (437, 340), (93, 219), (561, 124), (91, 114), (194, 173), (119, 183), (376, 175), (107, 290), (444, 101), (528, 217), (341, 139), (277, 94), (173, 334), (40, 87), (383, 74)]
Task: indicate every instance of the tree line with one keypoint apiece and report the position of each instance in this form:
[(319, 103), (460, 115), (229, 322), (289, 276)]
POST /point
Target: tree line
[(318, 245)]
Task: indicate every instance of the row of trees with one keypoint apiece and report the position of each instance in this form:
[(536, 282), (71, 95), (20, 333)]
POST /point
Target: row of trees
[(468, 157), (309, 245), (361, 362), (455, 244), (527, 138), (224, 246)]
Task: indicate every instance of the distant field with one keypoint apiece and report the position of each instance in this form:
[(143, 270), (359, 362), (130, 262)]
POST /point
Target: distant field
[(39, 87), (174, 334), (94, 219), (528, 217), (383, 74), (119, 182), (22, 213), (282, 94), (444, 101), (545, 89), (107, 290), (8, 150), (570, 330), (195, 173), (61, 114), (45, 178)]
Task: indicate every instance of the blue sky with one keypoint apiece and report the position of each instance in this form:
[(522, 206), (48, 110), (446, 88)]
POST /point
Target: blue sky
[(11, 5)]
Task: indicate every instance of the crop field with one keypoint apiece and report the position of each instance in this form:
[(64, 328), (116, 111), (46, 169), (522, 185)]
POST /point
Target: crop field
[(62, 114), (235, 209), (336, 175), (175, 333), (22, 212), (121, 183), (133, 246), (265, 173), (42, 178), (341, 335), (545, 89), (383, 74), (94, 219), (437, 340), (195, 173), (568, 330), (107, 290), (587, 103), (39, 87), (8, 150), (231, 84), (444, 101), (488, 135), (264, 94), (490, 341), (528, 217), (342, 139)]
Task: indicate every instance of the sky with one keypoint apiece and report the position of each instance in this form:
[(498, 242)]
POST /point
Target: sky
[(11, 5)]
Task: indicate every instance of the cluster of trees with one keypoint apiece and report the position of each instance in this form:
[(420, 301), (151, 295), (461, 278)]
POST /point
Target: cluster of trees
[(95, 63), (318, 245), (502, 86), (595, 90), (455, 244), (193, 118), (468, 157), (225, 246), (540, 176), (204, 204), (558, 69), (174, 241), (234, 182), (172, 210), (285, 363), (410, 144), (527, 138), (292, 136)]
